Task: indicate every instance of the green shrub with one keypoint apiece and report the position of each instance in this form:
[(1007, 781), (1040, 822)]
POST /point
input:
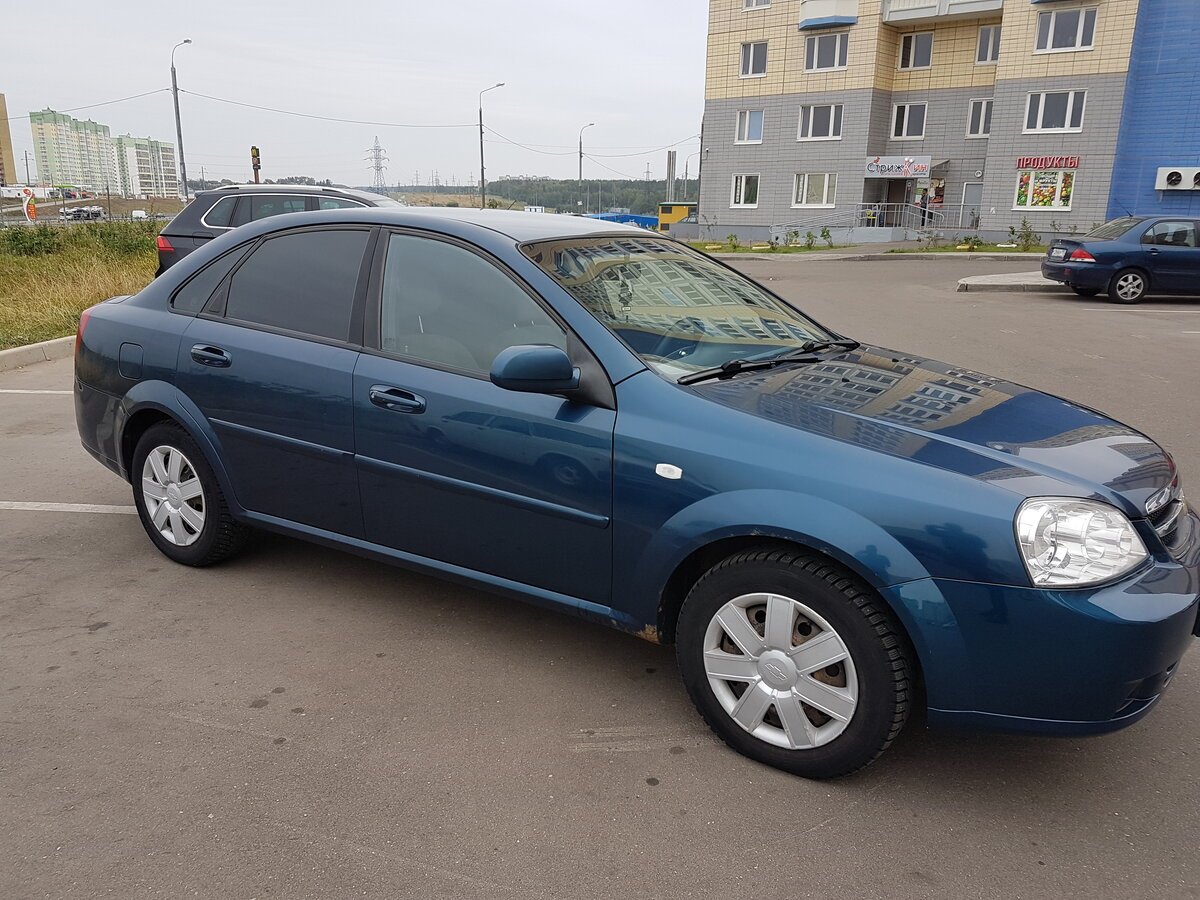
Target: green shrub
[(809, 240), (35, 240), (827, 237), (732, 241)]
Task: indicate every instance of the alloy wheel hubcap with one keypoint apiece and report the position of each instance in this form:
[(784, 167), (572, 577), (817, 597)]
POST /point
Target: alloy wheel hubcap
[(780, 671), (1129, 286), (173, 496)]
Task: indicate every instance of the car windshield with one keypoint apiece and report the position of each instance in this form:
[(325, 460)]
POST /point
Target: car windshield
[(675, 308), (1112, 230)]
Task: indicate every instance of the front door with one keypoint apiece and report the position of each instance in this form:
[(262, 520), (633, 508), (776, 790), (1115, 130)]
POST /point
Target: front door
[(1173, 256), (968, 216), (269, 363), (455, 469)]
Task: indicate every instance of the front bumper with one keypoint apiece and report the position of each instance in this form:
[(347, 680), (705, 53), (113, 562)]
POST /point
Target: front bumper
[(1054, 661), (1077, 274)]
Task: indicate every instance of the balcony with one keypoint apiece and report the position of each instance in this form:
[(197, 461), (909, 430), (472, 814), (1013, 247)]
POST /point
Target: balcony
[(900, 12), (827, 13)]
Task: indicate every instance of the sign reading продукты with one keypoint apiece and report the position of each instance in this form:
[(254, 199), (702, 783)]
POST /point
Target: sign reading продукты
[(1047, 162)]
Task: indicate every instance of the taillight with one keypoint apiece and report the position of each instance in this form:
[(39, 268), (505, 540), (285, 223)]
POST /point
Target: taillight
[(1081, 255), (164, 246), (83, 320)]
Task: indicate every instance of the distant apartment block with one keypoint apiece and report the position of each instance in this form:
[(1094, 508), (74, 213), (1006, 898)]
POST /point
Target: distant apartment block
[(145, 167), (8, 163), (71, 151), (983, 112)]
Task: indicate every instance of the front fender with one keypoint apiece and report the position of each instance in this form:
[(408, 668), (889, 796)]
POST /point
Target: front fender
[(168, 399)]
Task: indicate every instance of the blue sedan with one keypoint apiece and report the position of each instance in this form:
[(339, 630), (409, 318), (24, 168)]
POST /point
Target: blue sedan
[(606, 422), (1129, 258)]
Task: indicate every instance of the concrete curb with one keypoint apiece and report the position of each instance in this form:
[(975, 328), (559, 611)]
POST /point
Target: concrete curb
[(1019, 287), (59, 348)]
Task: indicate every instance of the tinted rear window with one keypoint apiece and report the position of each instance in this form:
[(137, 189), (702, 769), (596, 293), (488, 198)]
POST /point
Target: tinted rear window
[(302, 282), (195, 293), (221, 213), (1110, 231)]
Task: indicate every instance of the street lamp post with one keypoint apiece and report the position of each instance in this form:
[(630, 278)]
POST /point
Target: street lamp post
[(685, 173), (482, 176), (178, 126), (581, 130)]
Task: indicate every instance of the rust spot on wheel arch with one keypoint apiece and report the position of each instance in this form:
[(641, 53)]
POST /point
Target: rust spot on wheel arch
[(649, 633)]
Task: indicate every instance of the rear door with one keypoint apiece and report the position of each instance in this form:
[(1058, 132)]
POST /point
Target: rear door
[(1172, 254), (269, 363)]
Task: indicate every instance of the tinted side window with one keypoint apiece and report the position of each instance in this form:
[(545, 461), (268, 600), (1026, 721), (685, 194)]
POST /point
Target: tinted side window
[(445, 305), (263, 207), (195, 293), (221, 213), (302, 282), (1171, 234), (338, 203)]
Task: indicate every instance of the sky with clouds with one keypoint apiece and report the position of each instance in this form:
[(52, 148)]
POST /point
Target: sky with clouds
[(634, 67)]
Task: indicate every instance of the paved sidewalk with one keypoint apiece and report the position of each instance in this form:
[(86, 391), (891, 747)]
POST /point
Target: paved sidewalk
[(1017, 282)]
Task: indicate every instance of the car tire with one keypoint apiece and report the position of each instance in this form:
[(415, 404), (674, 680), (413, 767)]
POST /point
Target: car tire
[(1086, 292), (1128, 286), (780, 601), (170, 472)]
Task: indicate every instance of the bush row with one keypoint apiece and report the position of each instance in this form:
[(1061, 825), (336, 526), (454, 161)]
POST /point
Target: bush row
[(119, 238)]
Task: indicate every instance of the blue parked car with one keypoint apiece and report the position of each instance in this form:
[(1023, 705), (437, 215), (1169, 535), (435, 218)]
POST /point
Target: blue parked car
[(1129, 258), (603, 421)]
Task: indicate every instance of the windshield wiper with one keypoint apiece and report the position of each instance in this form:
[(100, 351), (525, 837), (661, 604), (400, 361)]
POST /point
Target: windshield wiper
[(814, 346), (734, 366)]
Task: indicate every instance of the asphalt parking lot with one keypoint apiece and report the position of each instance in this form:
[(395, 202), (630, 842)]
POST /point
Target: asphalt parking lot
[(302, 723)]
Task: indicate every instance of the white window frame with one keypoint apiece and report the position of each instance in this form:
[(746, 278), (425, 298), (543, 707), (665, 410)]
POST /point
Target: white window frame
[(993, 48), (749, 5), (837, 117), (1057, 190), (800, 190), (733, 190), (985, 115), (842, 51), (1054, 14), (912, 36), (746, 60), (747, 113), (907, 106), (1077, 96)]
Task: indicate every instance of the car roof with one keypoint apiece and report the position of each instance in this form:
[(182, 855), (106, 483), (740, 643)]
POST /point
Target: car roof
[(295, 189)]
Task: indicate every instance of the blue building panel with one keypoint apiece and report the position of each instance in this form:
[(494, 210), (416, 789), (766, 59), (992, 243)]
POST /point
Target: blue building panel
[(1160, 123)]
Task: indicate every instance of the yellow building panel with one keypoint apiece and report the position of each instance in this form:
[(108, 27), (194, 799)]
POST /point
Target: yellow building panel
[(1115, 21)]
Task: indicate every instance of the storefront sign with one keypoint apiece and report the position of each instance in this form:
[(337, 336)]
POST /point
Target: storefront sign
[(1047, 162), (899, 166)]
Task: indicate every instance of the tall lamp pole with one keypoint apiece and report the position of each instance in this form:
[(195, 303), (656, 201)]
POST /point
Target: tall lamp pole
[(581, 130), (482, 176), (178, 126), (685, 173)]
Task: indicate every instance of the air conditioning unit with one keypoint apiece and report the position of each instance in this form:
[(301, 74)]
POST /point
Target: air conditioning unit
[(1178, 178)]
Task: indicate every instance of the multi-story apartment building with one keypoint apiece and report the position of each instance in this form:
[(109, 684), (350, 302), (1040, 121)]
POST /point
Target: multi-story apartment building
[(982, 112), (145, 167), (8, 163), (71, 151)]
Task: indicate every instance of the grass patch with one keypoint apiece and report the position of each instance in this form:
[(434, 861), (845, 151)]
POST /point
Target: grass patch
[(715, 247), (50, 274), (979, 248)]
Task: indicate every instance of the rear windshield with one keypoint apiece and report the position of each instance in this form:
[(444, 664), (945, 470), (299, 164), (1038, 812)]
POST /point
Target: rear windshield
[(1110, 231)]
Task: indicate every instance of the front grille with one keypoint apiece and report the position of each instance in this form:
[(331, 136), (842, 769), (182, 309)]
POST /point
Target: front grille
[(1166, 520)]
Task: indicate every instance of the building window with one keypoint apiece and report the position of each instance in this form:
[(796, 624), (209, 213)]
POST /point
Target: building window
[(749, 126), (908, 121), (825, 51), (1055, 111), (1064, 30), (820, 123), (1044, 189), (815, 189), (754, 59), (745, 191), (755, 4), (979, 123), (916, 50), (988, 50)]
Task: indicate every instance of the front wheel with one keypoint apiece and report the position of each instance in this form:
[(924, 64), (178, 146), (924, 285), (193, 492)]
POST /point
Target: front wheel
[(794, 663), (1128, 286)]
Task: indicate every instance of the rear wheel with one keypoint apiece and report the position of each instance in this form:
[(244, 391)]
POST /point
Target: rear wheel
[(794, 663), (1128, 286), (1086, 292), (179, 499)]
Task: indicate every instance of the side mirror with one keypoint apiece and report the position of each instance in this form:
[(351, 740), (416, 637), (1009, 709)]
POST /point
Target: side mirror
[(535, 369)]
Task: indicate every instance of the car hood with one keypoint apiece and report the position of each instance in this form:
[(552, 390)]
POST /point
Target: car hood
[(955, 419)]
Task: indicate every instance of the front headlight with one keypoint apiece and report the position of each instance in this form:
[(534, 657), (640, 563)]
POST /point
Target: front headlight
[(1072, 543)]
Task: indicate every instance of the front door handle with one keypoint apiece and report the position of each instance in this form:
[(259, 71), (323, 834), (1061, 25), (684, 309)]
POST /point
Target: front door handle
[(1154, 251), (211, 356), (396, 399)]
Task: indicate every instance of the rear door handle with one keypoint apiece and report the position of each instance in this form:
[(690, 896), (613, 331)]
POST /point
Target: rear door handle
[(211, 356), (1154, 251), (396, 399)]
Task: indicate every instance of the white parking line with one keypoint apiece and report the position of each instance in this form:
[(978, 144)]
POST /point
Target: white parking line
[(31, 506), (1135, 309), (16, 391)]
